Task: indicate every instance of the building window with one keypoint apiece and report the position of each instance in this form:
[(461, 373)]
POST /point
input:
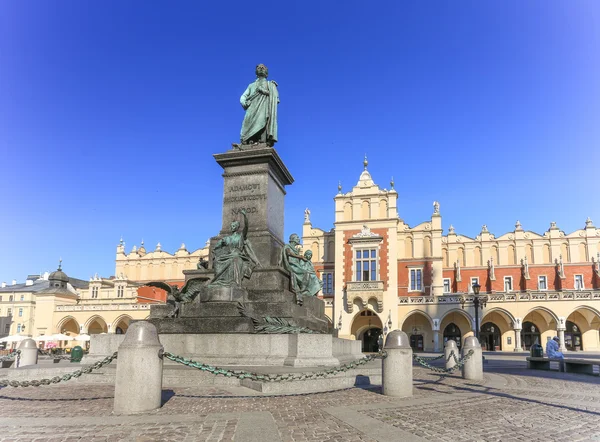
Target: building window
[(447, 284), (474, 280), (10, 298), (327, 283), (7, 328), (366, 265), (416, 280), (120, 291), (508, 284), (9, 312), (0, 298), (542, 283), (19, 328), (20, 312), (579, 282), (94, 292), (22, 297)]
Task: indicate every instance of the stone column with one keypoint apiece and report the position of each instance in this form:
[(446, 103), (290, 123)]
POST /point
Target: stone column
[(450, 347), (473, 368), (517, 339), (561, 327), (561, 339), (29, 353), (397, 368), (436, 335), (138, 384)]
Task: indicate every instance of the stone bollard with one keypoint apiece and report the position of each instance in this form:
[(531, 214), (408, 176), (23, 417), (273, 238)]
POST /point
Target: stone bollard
[(138, 385), (473, 368), (449, 347), (29, 353), (397, 367)]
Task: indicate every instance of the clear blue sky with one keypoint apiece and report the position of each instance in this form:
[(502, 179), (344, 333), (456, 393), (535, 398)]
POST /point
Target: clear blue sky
[(110, 113)]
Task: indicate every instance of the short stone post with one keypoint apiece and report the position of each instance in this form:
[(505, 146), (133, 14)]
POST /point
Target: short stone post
[(450, 347), (397, 368), (473, 368), (138, 385), (29, 353)]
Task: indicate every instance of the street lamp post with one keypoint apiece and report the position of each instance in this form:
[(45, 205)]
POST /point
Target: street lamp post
[(478, 302)]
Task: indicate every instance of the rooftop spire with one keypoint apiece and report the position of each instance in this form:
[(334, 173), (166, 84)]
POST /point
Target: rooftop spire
[(59, 263), (365, 162)]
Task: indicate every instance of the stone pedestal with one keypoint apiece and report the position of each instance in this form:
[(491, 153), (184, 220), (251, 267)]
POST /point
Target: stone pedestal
[(255, 180)]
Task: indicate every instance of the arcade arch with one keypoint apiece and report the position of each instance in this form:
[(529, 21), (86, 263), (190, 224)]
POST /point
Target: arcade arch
[(121, 324), (497, 329), (583, 329), (96, 325), (461, 320), (68, 326), (367, 327), (418, 326), (539, 324)]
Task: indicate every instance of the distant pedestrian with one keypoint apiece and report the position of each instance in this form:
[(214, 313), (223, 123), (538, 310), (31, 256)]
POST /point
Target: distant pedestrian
[(552, 349)]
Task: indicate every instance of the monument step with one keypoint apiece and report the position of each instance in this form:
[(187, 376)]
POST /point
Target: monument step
[(223, 324)]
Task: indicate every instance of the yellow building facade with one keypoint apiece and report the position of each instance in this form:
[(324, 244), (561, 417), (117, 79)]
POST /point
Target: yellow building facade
[(390, 275)]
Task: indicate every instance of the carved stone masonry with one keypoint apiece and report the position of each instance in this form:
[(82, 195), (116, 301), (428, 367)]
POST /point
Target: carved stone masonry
[(597, 264), (525, 268), (491, 269), (457, 270), (560, 267)]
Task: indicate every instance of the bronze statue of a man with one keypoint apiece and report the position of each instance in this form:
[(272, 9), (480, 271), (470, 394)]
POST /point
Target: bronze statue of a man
[(260, 102)]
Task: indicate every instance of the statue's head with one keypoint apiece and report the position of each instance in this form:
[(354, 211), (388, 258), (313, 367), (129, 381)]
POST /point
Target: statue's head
[(294, 239), (262, 71), (235, 225), (308, 254)]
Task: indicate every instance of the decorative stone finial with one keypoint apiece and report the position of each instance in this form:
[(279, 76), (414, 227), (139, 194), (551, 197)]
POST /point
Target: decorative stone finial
[(365, 162), (484, 229), (553, 225), (589, 222), (158, 247), (142, 243), (436, 208), (518, 225), (182, 246), (121, 241), (451, 230), (339, 187), (392, 183), (306, 215), (134, 249), (59, 264)]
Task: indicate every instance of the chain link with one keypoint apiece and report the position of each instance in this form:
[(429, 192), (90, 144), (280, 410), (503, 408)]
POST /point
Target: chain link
[(56, 379), (240, 374), (459, 363)]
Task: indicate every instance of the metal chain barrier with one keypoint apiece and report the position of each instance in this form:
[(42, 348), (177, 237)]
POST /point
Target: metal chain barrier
[(431, 358), (16, 354), (56, 379), (240, 374), (459, 363)]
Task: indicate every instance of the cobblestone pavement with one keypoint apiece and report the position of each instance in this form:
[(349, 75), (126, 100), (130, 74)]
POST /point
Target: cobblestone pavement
[(507, 405)]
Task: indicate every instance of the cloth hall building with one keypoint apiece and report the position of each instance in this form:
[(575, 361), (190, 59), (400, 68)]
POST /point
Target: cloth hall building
[(381, 274)]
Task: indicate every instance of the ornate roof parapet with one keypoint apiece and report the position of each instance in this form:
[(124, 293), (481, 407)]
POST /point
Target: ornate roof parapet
[(589, 224)]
